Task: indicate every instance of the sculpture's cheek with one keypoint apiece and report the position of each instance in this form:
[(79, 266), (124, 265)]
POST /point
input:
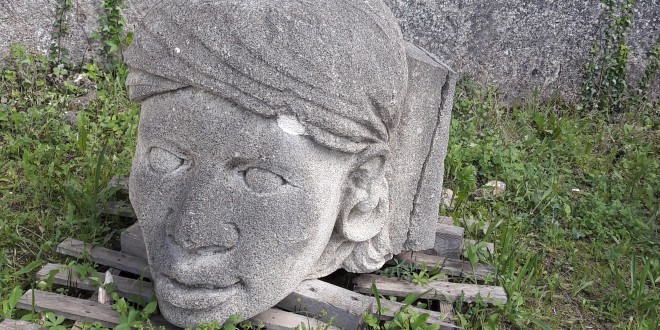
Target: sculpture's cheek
[(288, 218)]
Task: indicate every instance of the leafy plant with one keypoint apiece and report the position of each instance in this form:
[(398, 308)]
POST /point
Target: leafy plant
[(53, 322), (419, 275), (112, 32), (423, 276), (476, 252), (401, 269), (605, 87), (404, 319), (56, 155), (10, 303), (60, 29), (130, 317)]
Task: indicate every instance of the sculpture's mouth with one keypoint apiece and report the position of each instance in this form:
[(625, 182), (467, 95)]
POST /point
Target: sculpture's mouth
[(194, 296)]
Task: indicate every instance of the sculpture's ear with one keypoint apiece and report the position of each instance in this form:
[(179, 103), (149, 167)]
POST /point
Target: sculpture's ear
[(365, 207)]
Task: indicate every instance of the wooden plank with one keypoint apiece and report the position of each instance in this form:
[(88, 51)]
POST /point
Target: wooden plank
[(68, 307), (345, 307), (490, 247), (312, 297), (278, 319), (448, 241), (132, 242), (436, 290), (392, 307), (481, 227), (18, 325), (125, 287), (103, 256), (451, 267), (120, 182), (122, 209), (446, 308)]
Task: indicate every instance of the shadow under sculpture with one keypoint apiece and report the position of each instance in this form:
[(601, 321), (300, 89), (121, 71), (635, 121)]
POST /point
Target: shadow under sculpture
[(280, 141)]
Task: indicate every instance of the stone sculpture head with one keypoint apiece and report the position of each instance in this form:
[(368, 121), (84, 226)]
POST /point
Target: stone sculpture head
[(263, 147)]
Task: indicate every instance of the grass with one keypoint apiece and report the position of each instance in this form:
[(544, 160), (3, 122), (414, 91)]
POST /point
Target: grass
[(576, 233), (61, 136)]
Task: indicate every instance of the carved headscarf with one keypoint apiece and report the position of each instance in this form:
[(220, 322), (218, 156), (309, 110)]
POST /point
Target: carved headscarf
[(344, 76)]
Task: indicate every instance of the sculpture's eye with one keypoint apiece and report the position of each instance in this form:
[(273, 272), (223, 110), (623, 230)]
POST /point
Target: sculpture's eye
[(163, 161), (260, 180)]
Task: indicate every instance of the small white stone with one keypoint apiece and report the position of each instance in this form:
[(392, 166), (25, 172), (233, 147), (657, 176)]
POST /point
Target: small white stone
[(491, 189), (447, 198)]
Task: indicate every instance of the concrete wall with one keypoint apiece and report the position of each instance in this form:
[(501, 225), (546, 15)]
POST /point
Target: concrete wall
[(517, 45), (30, 22), (521, 44)]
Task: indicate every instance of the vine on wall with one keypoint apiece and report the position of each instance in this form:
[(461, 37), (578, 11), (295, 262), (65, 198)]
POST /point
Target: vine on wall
[(604, 87), (60, 29)]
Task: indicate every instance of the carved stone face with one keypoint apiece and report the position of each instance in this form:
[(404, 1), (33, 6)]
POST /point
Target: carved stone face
[(235, 208)]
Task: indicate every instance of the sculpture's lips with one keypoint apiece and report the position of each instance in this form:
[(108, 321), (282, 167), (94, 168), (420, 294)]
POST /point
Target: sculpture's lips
[(198, 296)]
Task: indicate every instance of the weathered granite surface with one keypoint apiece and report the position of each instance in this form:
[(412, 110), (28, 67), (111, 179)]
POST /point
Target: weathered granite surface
[(31, 24), (280, 141), (519, 45)]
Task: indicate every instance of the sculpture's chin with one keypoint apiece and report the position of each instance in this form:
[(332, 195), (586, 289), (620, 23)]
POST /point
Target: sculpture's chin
[(190, 317)]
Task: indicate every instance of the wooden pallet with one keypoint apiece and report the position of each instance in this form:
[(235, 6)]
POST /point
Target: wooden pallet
[(314, 303)]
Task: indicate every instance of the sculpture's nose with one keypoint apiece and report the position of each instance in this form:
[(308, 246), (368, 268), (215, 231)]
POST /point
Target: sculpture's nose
[(199, 226)]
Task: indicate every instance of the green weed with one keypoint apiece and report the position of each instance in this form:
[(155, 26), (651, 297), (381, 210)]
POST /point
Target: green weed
[(404, 319), (581, 205), (63, 134)]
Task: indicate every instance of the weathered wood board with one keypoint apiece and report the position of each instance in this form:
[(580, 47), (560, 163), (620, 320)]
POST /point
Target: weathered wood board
[(436, 290), (122, 209), (71, 308), (124, 286), (481, 227), (101, 255), (132, 242), (451, 267), (346, 307), (449, 241), (278, 319), (18, 325)]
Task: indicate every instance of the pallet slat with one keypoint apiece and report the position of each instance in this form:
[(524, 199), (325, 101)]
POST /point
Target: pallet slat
[(392, 307), (122, 209), (89, 311), (278, 319), (452, 267), (449, 241), (346, 307), (70, 308), (480, 227), (101, 255), (132, 242), (436, 290), (123, 285), (312, 297), (120, 182), (18, 325)]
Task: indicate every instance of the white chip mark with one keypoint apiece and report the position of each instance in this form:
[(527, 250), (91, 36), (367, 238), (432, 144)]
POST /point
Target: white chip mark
[(177, 50), (291, 125)]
